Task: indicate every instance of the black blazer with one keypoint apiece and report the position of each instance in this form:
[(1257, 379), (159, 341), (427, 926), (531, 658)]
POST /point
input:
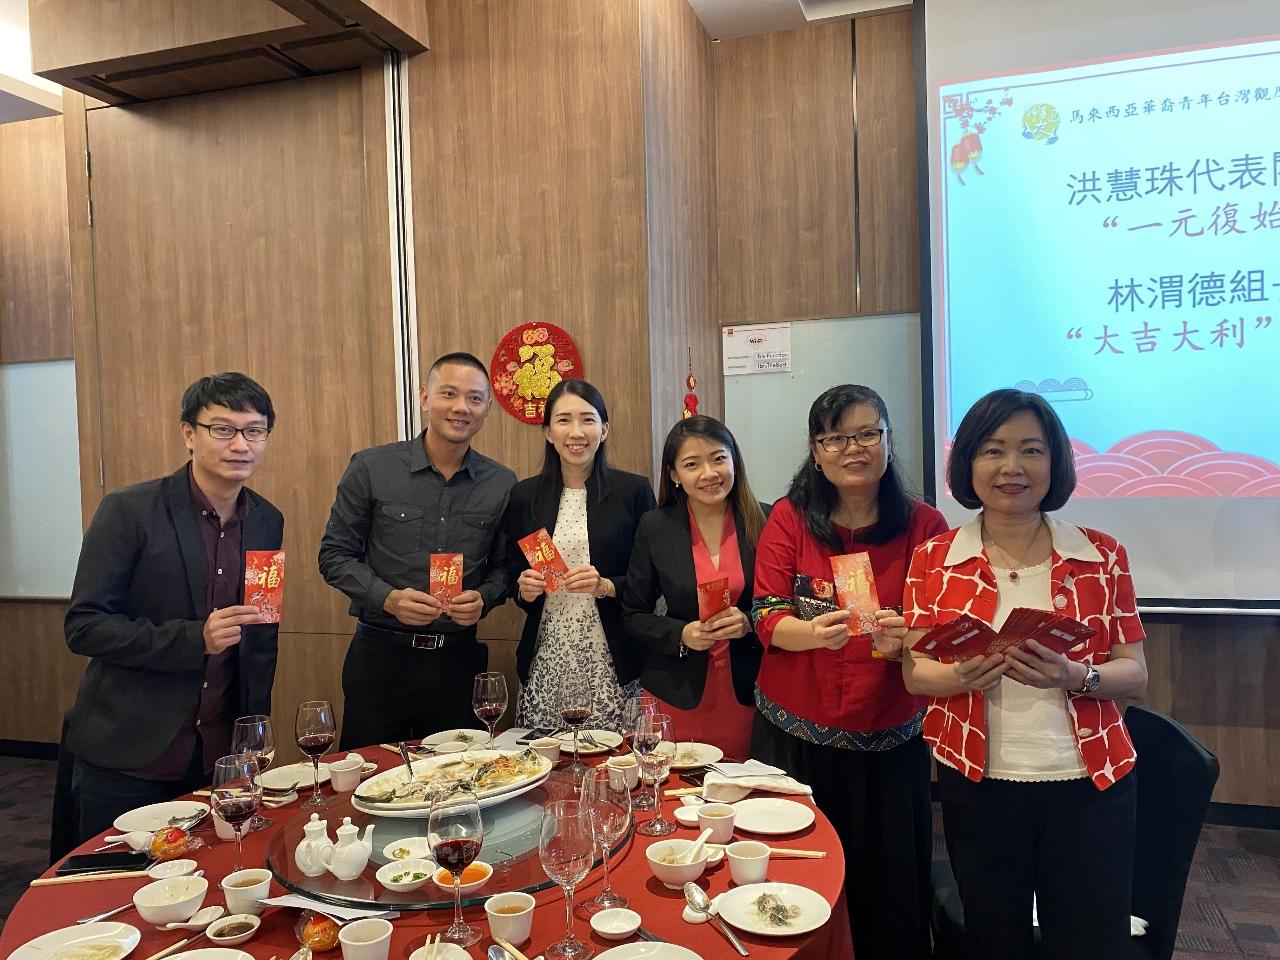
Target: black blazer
[(662, 565), (138, 610), (611, 529)]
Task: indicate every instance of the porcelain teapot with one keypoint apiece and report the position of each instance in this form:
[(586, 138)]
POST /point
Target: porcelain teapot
[(348, 857), (315, 838)]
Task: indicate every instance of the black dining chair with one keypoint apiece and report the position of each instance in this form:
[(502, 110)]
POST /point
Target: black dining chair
[(1176, 776)]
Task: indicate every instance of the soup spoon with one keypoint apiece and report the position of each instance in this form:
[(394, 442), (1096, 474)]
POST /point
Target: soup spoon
[(697, 898), (200, 919)]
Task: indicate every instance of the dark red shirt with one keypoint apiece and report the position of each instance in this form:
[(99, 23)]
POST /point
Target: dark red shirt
[(215, 711), (846, 689)]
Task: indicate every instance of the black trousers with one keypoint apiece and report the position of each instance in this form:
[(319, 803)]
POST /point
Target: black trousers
[(102, 794), (878, 803), (1067, 842), (394, 692)]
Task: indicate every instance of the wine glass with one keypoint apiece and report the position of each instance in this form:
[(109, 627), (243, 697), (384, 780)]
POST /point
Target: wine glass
[(632, 709), (315, 730), (489, 699), (604, 791), (455, 831), (565, 848), (655, 744), (576, 707), (236, 794), (253, 736)]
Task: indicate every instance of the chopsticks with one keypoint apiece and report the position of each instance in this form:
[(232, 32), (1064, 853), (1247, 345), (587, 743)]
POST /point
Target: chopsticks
[(782, 852), (682, 792), (174, 948), (87, 877)]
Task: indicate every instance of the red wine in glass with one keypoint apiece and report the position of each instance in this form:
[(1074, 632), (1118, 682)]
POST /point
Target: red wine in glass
[(575, 717), (489, 715), (456, 854), (316, 745), (237, 811)]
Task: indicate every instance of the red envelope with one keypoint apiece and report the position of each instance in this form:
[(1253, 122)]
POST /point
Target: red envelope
[(541, 553), (958, 639), (264, 583), (446, 576), (968, 636), (713, 598), (856, 591)]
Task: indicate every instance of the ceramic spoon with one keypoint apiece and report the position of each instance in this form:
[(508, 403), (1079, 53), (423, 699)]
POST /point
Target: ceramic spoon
[(200, 919), (691, 854)]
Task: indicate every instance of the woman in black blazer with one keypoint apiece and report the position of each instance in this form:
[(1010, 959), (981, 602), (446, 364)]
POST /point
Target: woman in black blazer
[(591, 512), (705, 528)]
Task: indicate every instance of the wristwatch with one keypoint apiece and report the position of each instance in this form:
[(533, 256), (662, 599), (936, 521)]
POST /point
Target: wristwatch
[(1092, 679)]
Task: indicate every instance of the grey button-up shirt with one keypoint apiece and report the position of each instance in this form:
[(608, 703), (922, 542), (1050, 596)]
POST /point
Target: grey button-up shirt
[(393, 509)]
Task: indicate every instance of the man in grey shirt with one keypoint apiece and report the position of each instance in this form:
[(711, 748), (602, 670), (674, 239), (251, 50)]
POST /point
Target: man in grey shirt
[(410, 665)]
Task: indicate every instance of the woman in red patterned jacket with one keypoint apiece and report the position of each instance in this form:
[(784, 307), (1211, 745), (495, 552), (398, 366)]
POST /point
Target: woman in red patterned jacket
[(1033, 756)]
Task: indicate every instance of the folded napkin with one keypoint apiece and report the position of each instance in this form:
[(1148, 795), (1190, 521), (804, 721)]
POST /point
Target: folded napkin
[(506, 740), (137, 840), (334, 913), (742, 778)]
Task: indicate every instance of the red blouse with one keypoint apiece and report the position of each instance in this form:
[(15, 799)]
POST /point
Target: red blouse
[(846, 689), (730, 559), (950, 575)]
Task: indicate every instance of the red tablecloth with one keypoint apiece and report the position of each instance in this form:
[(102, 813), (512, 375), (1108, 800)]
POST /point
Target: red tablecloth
[(43, 909)]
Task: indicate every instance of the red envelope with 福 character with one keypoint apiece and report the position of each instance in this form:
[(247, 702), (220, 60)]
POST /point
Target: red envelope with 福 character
[(446, 576), (856, 591), (713, 598), (542, 554), (264, 583)]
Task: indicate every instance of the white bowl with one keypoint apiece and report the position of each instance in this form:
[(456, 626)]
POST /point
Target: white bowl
[(452, 746), (397, 867), (466, 887), (419, 849), (615, 924), (675, 875), (548, 747), (171, 901), (236, 918)]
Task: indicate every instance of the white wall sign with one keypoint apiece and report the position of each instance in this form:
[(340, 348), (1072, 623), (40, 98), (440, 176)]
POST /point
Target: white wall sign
[(756, 348)]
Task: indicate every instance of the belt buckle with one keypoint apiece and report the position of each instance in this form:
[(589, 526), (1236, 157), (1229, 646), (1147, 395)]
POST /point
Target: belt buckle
[(427, 641)]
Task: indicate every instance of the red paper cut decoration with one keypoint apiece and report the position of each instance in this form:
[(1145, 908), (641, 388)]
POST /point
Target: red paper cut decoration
[(530, 360)]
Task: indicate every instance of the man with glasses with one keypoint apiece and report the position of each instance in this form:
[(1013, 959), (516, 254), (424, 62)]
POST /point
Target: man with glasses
[(410, 665), (174, 656)]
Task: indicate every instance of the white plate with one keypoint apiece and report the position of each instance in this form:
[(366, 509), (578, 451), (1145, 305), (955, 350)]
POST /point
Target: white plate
[(690, 755), (771, 816), (396, 775), (46, 946), (644, 950), (213, 953), (606, 738), (156, 816), (475, 738), (418, 848), (734, 906), (444, 951), (277, 778)]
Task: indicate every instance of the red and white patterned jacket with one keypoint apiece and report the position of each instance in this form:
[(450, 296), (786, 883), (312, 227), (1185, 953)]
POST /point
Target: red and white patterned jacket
[(950, 575)]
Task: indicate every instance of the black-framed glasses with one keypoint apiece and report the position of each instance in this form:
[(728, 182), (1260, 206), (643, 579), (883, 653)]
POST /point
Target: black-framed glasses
[(225, 431), (839, 442)]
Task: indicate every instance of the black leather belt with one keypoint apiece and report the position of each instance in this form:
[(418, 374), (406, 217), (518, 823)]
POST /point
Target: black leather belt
[(418, 641)]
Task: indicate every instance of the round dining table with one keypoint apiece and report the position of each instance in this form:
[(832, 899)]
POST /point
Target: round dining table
[(46, 908)]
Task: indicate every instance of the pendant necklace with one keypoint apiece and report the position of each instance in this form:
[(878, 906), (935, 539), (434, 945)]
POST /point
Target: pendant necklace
[(1020, 561)]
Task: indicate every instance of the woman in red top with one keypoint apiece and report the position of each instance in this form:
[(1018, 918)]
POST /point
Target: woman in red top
[(832, 712), (1033, 756), (706, 526)]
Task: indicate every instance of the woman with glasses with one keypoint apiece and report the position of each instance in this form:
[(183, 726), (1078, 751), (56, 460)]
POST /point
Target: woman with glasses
[(591, 511), (833, 711), (1030, 739), (705, 529)]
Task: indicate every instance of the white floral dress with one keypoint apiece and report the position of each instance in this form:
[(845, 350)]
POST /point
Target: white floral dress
[(570, 636)]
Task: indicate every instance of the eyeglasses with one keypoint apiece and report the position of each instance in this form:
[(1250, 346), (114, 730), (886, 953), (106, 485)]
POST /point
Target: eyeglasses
[(225, 431), (839, 442)]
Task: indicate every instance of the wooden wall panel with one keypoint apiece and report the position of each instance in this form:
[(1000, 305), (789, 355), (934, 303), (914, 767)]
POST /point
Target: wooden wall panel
[(785, 175), (42, 675), (679, 118), (528, 162), (1216, 676), (73, 32), (35, 269), (888, 229), (234, 231)]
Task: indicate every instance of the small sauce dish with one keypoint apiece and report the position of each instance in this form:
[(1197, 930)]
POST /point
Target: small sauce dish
[(615, 924), (234, 929)]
